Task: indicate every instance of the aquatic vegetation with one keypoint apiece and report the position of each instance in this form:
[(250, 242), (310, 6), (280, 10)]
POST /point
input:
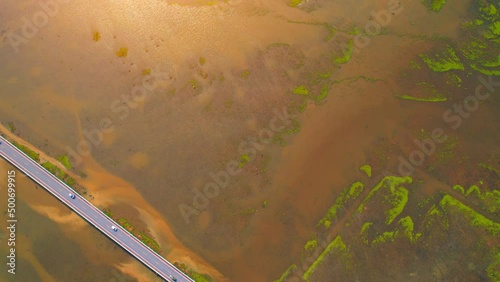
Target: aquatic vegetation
[(244, 159), (414, 65), (355, 189), (30, 153), (64, 160), (485, 71), (202, 60), (264, 204), (430, 99), (434, 5), (287, 273), (301, 90), (473, 189), (336, 244), (295, 128), (454, 79), (146, 72), (355, 30), (385, 237), (408, 227), (442, 62), (295, 3), (96, 36), (346, 56), (122, 52), (488, 12), (365, 227), (245, 74), (398, 201), (324, 75), (493, 270), (450, 204), (459, 188), (194, 84), (447, 150), (322, 95), (390, 182), (311, 245), (228, 104), (351, 192), (367, 170)]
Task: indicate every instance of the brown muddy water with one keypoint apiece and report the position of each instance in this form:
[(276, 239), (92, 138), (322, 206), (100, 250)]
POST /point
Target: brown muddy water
[(225, 67)]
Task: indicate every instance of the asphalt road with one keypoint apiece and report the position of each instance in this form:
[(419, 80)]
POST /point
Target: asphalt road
[(90, 213)]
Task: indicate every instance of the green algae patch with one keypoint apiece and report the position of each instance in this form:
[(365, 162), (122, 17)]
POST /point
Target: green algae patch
[(488, 12), (325, 75), (405, 228), (287, 273), (301, 90), (476, 219), (390, 182), (245, 74), (202, 60), (408, 229), (398, 201), (435, 214), (493, 270), (367, 170), (365, 227), (350, 193), (489, 167), (414, 65), (295, 3), (434, 5), (244, 159), (442, 62), (455, 80), (459, 188), (387, 236), (146, 71), (346, 53), (431, 99), (485, 71), (311, 245), (64, 160), (96, 36), (322, 95), (356, 189), (473, 189), (122, 53), (336, 245)]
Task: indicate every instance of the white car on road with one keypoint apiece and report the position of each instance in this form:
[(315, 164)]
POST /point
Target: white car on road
[(114, 228)]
